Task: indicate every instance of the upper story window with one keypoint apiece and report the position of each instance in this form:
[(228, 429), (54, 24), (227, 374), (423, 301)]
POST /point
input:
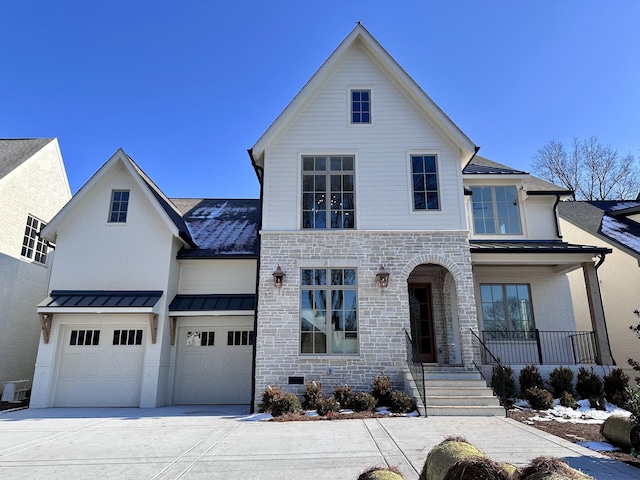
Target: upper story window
[(327, 192), (424, 172), (506, 311), (360, 106), (329, 311), (495, 210), (33, 247), (119, 206)]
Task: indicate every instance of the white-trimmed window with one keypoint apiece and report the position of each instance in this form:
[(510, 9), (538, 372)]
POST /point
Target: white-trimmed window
[(506, 311), (328, 197), (201, 339), (119, 206), (33, 247), (495, 210), (127, 337), (360, 106), (329, 311), (84, 337), (424, 175)]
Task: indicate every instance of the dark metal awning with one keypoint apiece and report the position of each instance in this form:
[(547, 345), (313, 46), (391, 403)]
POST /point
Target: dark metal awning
[(100, 299), (532, 246), (212, 303)]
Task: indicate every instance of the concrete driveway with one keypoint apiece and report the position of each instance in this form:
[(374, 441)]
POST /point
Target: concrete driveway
[(212, 442)]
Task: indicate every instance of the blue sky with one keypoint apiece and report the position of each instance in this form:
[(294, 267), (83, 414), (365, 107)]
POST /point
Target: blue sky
[(186, 87)]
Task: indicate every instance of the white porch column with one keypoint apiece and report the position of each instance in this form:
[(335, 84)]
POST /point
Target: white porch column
[(596, 309)]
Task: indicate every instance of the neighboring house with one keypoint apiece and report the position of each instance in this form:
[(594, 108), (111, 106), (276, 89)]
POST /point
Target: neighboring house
[(381, 231), (33, 187), (151, 300), (615, 224)]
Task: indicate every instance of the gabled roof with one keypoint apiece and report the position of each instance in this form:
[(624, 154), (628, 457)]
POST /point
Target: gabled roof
[(533, 185), (409, 87), (14, 152), (165, 208), (221, 228), (606, 220)]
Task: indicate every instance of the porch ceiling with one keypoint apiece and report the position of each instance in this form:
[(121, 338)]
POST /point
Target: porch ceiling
[(561, 256)]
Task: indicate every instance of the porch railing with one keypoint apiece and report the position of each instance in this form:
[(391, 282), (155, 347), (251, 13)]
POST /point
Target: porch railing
[(541, 347), (488, 362), (415, 367)]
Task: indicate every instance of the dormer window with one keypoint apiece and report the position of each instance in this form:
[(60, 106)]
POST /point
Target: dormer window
[(360, 106), (119, 206), (495, 210)]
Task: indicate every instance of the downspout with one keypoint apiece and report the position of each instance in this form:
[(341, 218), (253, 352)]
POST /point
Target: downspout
[(555, 212), (606, 329), (260, 174)]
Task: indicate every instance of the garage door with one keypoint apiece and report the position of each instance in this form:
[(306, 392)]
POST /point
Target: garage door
[(213, 364), (100, 367)]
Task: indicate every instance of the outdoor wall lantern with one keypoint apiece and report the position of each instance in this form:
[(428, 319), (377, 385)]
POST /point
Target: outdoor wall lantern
[(278, 277), (382, 277)]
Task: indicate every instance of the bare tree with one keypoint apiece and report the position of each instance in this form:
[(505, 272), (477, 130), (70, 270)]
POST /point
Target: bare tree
[(593, 171)]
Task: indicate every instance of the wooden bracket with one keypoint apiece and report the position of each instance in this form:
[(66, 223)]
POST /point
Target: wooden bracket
[(153, 323), (45, 325), (172, 329)]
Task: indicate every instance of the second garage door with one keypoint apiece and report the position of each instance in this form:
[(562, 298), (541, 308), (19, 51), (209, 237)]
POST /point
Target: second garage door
[(213, 364)]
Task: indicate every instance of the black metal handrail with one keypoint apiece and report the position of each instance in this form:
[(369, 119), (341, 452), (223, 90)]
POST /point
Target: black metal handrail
[(497, 380), (416, 367), (542, 346)]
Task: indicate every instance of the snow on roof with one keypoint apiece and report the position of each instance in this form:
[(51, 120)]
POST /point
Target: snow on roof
[(221, 227), (621, 232)]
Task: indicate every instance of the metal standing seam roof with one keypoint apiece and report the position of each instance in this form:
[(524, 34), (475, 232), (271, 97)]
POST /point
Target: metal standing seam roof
[(101, 298), (209, 303), (532, 246)]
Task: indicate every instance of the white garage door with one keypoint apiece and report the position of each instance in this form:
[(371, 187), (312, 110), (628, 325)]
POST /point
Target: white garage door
[(213, 364), (100, 367)]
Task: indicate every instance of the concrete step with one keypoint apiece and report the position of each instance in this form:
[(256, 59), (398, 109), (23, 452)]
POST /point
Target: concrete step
[(461, 390), (455, 383), (462, 411), (461, 401)]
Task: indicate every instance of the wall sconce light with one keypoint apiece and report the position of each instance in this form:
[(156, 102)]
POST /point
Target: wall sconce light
[(382, 277), (278, 277)]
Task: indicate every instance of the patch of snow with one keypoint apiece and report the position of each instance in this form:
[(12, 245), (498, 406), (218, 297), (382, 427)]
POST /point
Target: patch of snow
[(256, 417), (619, 232), (599, 446), (584, 413)]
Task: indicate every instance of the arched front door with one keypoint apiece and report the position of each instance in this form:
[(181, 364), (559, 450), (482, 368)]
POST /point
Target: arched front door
[(421, 312)]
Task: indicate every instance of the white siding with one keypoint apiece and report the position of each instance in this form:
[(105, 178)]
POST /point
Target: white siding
[(549, 294), (619, 277), (383, 188), (217, 276), (94, 255)]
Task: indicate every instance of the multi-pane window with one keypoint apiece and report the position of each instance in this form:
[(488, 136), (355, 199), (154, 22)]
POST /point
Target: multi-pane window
[(360, 106), (328, 192), (33, 247), (329, 311), (84, 337), (506, 310), (119, 206), (424, 172), (239, 337), (201, 339), (127, 337), (495, 210)]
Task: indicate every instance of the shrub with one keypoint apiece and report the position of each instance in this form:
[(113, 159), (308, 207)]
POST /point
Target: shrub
[(285, 403), (343, 396), (382, 390), (363, 402), (588, 384), (633, 404), (567, 400), (269, 395), (560, 380), (615, 387), (597, 402), (530, 377), (502, 382), (539, 398), (312, 395), (400, 402), (326, 405)]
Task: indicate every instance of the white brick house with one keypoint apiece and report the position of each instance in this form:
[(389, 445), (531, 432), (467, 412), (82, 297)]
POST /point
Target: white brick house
[(33, 187), (157, 301)]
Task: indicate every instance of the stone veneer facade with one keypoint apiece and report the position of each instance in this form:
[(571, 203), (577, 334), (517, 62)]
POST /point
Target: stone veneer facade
[(383, 313)]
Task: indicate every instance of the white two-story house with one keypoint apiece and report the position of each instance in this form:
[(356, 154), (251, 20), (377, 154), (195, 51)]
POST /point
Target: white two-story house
[(380, 238), (33, 187)]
